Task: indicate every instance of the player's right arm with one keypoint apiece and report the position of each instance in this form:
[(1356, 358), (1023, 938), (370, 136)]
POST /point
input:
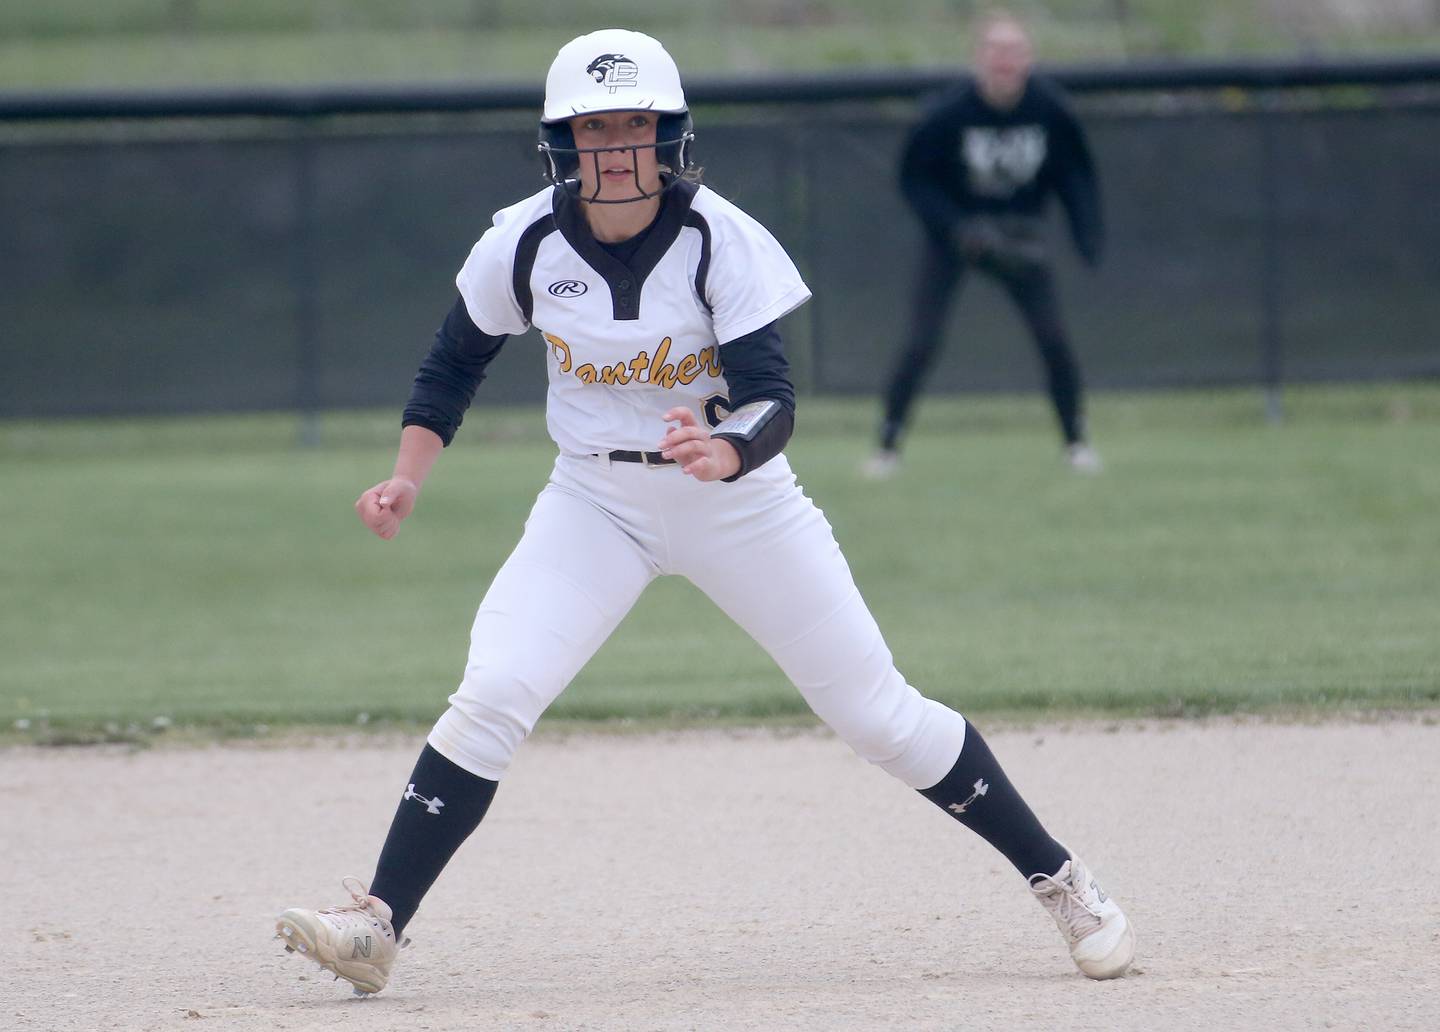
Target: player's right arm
[(443, 390), (929, 169), (484, 314), (383, 506)]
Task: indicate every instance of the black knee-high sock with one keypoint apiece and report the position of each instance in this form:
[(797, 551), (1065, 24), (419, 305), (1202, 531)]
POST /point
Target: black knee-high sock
[(441, 806), (977, 793)]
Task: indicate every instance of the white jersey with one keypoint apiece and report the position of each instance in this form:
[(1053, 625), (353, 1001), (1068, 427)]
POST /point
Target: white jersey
[(626, 343)]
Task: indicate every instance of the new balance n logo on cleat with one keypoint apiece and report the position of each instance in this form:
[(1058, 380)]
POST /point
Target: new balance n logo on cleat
[(355, 941), (980, 789), (431, 805)]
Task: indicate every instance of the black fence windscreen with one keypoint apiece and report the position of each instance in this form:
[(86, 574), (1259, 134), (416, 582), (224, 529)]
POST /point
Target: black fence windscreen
[(303, 261)]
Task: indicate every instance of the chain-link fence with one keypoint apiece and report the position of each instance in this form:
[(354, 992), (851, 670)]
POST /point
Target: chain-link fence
[(297, 250)]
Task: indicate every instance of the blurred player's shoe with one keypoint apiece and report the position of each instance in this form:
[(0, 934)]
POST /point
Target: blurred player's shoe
[(1101, 940), (355, 941), (881, 466), (1083, 458)]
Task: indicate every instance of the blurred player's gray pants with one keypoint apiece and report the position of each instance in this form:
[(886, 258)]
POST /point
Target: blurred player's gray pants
[(1027, 279)]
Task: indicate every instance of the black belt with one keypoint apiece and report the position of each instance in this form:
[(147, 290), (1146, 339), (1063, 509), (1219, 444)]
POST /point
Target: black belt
[(650, 458)]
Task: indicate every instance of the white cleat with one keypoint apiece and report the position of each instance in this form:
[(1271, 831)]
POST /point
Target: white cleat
[(1100, 936), (355, 942), (883, 465), (1083, 458)]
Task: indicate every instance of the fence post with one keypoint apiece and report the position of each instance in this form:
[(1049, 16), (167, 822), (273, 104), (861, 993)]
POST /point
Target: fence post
[(1271, 329), (307, 364), (800, 227)]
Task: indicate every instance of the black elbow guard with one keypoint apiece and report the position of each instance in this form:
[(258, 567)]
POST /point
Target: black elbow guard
[(758, 431)]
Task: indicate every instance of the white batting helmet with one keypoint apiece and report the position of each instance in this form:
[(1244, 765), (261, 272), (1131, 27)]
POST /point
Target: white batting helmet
[(614, 70)]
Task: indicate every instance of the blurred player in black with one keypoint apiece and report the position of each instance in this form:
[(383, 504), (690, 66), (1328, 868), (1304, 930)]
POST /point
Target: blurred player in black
[(978, 170)]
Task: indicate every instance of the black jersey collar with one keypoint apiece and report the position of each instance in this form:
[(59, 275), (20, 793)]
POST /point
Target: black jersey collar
[(624, 280)]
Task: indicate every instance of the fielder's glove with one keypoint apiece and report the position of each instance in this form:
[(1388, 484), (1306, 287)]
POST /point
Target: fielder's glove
[(1010, 247)]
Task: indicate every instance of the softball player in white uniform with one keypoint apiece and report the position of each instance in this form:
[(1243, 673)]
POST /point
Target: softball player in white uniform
[(670, 402)]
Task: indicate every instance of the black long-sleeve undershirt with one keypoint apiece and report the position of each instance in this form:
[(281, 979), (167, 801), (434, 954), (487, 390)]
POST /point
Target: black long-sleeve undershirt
[(449, 374), (755, 367)]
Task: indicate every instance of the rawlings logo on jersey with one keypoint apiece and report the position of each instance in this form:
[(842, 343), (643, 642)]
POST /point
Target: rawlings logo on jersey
[(656, 369), (567, 288), (614, 71)]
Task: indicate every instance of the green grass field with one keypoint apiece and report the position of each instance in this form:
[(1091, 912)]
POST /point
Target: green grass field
[(210, 573)]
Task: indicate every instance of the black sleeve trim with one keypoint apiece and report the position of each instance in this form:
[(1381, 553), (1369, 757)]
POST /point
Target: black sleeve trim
[(702, 272), (449, 374), (525, 252)]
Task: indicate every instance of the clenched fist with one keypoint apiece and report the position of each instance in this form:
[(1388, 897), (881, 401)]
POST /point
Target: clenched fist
[(700, 455), (387, 503)]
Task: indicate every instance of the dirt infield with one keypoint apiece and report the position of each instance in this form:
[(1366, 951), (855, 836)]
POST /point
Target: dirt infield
[(1280, 876)]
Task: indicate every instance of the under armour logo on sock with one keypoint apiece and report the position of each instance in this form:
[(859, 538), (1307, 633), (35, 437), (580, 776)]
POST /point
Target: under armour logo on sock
[(980, 789), (431, 805)]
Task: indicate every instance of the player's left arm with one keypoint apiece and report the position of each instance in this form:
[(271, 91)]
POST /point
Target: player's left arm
[(762, 412), (1075, 182)]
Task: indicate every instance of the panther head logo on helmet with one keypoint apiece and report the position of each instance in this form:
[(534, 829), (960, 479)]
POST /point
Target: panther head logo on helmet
[(614, 71)]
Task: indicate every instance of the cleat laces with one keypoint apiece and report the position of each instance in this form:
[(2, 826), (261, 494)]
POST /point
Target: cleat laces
[(1072, 912), (362, 906), (361, 903)]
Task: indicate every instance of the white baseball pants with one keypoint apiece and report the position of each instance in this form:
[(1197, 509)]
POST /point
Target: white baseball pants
[(600, 531)]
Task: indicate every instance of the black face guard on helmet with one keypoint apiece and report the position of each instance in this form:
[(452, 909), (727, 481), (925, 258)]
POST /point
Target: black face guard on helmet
[(674, 138)]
